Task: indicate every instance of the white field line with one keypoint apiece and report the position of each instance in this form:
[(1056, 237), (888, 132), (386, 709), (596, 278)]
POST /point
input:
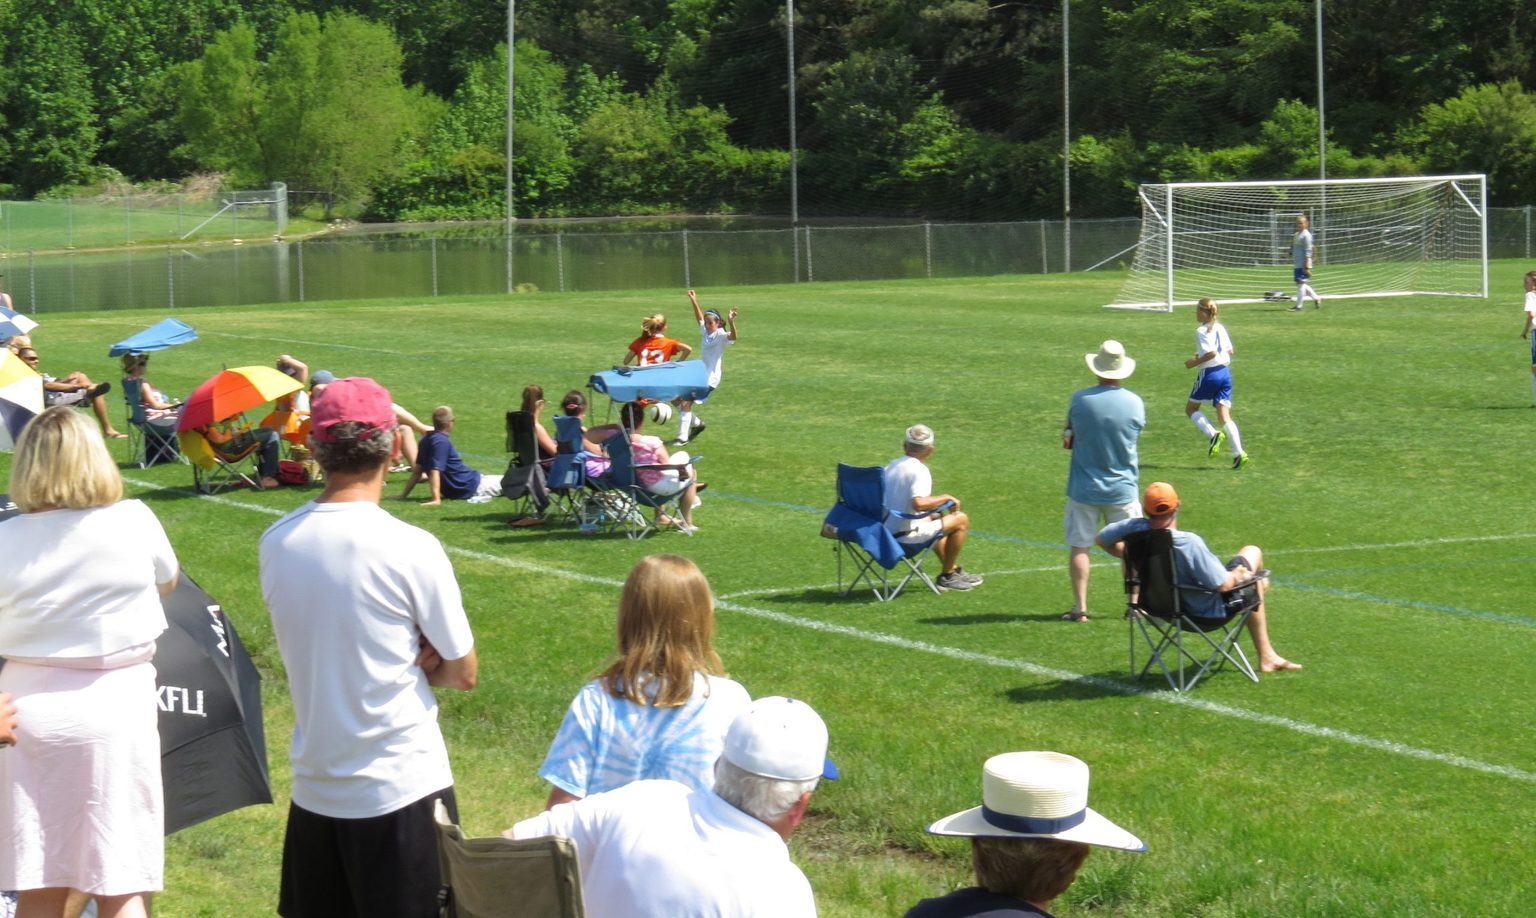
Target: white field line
[(806, 587), (970, 656)]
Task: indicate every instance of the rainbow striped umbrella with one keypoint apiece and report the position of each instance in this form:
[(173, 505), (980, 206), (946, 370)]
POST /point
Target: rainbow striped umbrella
[(230, 392), (21, 398)]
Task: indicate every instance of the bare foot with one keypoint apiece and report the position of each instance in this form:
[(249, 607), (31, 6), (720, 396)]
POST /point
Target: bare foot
[(268, 484), (1277, 664), (116, 435)]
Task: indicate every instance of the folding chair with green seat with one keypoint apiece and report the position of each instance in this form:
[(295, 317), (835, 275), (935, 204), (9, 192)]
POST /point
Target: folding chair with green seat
[(215, 470), (150, 442), (857, 524), (506, 878), (1156, 610)]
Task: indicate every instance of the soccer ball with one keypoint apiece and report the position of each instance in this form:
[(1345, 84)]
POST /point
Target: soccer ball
[(660, 412)]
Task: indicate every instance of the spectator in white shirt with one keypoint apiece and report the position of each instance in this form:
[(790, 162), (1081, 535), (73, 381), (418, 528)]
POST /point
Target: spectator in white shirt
[(909, 490), (368, 618), (662, 848)]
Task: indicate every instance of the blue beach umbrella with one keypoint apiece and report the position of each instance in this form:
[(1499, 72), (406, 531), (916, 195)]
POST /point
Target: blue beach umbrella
[(13, 323)]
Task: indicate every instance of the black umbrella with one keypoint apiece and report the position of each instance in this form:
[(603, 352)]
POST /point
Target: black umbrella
[(213, 752)]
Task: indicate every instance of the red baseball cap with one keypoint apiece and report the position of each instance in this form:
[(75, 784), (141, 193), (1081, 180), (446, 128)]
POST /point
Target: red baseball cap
[(356, 399)]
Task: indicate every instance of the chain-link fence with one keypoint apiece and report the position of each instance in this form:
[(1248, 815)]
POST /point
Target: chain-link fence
[(450, 263), (108, 221)]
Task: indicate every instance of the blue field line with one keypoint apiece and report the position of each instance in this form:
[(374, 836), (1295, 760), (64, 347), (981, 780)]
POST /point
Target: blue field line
[(1409, 603)]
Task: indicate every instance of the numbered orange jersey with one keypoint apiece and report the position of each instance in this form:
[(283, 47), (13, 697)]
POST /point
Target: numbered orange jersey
[(652, 350)]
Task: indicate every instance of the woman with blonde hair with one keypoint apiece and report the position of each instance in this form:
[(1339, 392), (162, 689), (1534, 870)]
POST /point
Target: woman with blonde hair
[(653, 346), (662, 707), (80, 793)]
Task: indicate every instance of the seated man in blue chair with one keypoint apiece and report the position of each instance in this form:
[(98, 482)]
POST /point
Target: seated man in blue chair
[(1195, 564), (909, 489)]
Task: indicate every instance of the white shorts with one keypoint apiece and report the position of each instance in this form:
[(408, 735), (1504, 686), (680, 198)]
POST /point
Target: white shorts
[(1083, 521), (922, 530), (490, 486), (671, 482)]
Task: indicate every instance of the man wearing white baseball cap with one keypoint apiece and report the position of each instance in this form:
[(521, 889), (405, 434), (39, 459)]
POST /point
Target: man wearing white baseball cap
[(662, 848), (1029, 837)]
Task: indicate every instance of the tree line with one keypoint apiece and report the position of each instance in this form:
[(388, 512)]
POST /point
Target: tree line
[(939, 108)]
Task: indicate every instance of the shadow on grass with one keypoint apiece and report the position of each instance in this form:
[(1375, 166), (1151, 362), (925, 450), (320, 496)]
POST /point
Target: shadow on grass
[(991, 618), (1111, 684), (1226, 467)]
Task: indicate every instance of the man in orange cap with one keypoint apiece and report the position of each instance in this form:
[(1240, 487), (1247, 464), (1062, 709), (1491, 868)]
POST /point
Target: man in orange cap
[(1196, 564)]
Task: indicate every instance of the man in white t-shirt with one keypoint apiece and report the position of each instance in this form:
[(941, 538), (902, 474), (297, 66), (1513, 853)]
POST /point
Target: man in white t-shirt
[(716, 334), (368, 617), (662, 848), (909, 491)]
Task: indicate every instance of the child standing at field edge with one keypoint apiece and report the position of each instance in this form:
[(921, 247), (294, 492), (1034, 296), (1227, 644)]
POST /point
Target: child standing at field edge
[(1530, 323), (1213, 355)]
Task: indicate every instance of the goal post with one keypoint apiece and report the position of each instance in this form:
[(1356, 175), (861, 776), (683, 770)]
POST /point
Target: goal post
[(1232, 241)]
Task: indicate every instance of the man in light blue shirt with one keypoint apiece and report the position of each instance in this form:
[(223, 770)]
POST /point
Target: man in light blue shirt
[(1197, 566), (1103, 424)]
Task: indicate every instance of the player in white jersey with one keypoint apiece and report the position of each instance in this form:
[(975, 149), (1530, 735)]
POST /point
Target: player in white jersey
[(1213, 356), (1530, 323), (716, 334), (1301, 261)]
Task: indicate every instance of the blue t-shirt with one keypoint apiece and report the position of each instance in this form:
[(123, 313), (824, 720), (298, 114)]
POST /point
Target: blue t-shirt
[(1105, 422), (1193, 563), (459, 481)]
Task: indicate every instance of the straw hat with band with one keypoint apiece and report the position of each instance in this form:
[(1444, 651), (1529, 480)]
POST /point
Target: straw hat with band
[(1111, 361), (1036, 795)]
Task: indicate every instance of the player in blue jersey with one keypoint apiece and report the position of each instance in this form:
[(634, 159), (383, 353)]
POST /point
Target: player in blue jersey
[(1213, 356), (1301, 260)]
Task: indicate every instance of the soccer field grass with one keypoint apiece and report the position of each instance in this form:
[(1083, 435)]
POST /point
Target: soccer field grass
[(1396, 774)]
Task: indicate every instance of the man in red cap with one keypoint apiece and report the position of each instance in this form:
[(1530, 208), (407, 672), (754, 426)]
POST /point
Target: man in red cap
[(368, 617), (1197, 565)]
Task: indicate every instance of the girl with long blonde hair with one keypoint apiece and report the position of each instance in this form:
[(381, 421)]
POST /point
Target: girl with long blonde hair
[(661, 707)]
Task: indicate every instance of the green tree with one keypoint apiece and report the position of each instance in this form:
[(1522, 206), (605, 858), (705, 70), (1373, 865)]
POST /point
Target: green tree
[(1489, 128), (326, 111), (55, 130)]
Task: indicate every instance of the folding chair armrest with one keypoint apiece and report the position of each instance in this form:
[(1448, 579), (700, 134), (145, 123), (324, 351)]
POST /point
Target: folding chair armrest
[(925, 514), (1258, 576)]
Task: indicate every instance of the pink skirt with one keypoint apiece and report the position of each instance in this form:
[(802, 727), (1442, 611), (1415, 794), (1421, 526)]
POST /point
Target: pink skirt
[(80, 792)]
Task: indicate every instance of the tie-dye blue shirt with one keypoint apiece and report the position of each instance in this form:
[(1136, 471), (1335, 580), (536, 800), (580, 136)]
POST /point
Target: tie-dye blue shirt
[(606, 742)]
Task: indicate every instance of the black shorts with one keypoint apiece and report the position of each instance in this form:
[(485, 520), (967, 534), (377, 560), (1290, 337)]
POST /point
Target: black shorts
[(1238, 561), (384, 866)]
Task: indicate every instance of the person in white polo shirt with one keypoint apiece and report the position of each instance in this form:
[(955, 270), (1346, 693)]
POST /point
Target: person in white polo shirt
[(662, 848), (909, 490), (368, 617)]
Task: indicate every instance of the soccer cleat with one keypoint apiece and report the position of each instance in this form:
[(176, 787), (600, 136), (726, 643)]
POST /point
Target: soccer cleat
[(1218, 438), (1317, 303), (1240, 460), (953, 580), (1296, 308), (698, 428)]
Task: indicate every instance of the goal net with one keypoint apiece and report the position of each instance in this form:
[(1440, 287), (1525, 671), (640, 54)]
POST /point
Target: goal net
[(1233, 241)]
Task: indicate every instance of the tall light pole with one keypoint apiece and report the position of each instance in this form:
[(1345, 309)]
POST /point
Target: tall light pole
[(1066, 134), (794, 152), (1322, 140), (511, 111)]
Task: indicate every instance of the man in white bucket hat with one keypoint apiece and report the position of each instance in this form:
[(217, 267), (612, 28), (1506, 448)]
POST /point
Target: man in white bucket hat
[(1104, 422), (1029, 837), (662, 848)]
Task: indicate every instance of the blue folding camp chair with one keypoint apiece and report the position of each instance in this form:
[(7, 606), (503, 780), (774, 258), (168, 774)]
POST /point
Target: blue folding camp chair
[(149, 442), (567, 478), (622, 495), (856, 523)]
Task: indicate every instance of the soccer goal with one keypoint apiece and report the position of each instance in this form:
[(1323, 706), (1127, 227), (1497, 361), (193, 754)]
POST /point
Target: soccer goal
[(1232, 241)]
